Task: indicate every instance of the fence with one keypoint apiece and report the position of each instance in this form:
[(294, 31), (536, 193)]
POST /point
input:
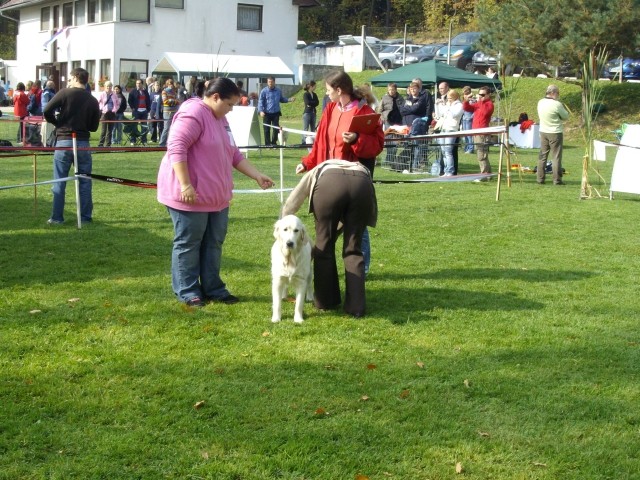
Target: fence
[(34, 132), (410, 154)]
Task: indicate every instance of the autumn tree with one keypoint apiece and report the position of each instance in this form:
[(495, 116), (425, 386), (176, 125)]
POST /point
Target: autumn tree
[(542, 31)]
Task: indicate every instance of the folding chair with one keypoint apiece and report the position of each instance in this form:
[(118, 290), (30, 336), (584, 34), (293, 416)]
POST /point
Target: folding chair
[(134, 131)]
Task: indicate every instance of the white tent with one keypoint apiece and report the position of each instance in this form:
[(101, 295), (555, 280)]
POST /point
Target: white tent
[(215, 65)]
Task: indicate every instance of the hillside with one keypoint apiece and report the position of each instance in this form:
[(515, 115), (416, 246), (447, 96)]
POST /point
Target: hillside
[(621, 102)]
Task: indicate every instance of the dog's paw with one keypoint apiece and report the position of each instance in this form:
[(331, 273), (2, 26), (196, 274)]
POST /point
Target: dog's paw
[(298, 320), (275, 319)]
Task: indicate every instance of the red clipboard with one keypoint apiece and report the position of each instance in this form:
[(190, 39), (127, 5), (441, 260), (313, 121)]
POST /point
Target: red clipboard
[(366, 124)]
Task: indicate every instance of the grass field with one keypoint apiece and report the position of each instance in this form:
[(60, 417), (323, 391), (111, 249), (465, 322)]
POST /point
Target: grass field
[(501, 340)]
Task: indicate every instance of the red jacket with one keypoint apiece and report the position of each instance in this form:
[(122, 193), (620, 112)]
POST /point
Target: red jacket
[(367, 146), (482, 112), (20, 103)]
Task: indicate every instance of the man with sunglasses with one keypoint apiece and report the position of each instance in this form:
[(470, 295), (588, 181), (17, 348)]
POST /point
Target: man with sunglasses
[(482, 110)]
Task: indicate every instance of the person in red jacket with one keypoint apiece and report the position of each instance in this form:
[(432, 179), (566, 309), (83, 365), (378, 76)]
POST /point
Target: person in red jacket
[(482, 110), (20, 104), (333, 141)]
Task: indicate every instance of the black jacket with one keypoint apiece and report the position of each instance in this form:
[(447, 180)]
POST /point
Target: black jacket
[(79, 113)]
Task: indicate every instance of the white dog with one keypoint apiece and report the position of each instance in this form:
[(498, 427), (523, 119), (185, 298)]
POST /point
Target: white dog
[(290, 265)]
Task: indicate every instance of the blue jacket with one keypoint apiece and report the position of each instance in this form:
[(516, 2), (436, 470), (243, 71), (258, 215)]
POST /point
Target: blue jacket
[(270, 100)]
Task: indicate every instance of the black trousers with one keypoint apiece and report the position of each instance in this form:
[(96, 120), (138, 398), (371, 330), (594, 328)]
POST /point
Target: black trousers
[(271, 134), (341, 196)]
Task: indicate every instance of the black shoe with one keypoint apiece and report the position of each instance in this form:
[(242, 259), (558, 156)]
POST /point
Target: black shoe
[(559, 183), (227, 300), (195, 302)]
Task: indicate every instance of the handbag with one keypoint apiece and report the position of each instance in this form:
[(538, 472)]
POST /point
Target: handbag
[(437, 128)]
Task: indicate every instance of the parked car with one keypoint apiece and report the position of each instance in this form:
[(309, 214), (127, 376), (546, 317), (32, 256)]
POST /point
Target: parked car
[(630, 69), (320, 44), (357, 40), (423, 54), (462, 50), (387, 55), (481, 61)]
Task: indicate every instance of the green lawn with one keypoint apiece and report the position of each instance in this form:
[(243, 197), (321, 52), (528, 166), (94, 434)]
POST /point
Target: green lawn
[(501, 336)]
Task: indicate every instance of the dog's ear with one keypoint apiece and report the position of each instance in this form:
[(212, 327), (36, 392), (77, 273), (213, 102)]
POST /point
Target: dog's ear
[(304, 235), (276, 230)]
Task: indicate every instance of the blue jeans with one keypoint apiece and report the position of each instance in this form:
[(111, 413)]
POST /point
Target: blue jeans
[(167, 117), (468, 141), (197, 253), (116, 137), (142, 117), (62, 162), (365, 245), (447, 145), (309, 121)]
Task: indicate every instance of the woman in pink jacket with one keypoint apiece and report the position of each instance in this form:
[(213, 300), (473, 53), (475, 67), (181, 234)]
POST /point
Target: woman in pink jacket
[(195, 182), (109, 104)]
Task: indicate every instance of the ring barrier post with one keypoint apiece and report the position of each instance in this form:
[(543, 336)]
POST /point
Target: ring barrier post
[(281, 139), (77, 180)]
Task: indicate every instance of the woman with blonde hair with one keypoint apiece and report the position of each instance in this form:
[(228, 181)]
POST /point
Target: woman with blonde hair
[(451, 113), (109, 104)]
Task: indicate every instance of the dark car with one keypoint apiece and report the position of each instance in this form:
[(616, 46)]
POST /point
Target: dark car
[(630, 69), (423, 54), (462, 50)]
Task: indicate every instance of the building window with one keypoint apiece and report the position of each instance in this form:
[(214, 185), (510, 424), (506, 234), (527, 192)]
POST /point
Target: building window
[(75, 64), (130, 71), (67, 14), (56, 17), (105, 71), (81, 12), (90, 67), (134, 11), (170, 4), (92, 15), (45, 20), (250, 17), (107, 10)]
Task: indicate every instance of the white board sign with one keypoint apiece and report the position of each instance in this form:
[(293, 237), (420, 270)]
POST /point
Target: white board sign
[(625, 176), (245, 126)]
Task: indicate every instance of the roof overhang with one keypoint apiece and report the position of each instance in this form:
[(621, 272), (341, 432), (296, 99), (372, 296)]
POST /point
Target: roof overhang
[(207, 64)]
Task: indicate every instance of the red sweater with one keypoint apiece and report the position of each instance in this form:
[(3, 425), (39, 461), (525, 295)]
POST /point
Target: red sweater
[(329, 145), (20, 103), (482, 112)]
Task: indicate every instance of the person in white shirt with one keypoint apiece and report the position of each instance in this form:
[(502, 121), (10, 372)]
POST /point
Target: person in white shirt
[(450, 111), (552, 114)]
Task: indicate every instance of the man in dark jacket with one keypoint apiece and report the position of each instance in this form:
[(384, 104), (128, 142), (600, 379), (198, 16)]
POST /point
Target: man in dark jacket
[(73, 111), (389, 106), (140, 104)]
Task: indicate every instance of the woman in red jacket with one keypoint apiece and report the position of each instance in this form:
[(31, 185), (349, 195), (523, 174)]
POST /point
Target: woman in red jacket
[(20, 104), (334, 141)]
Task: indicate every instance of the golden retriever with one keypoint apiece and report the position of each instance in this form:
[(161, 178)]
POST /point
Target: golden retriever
[(290, 265)]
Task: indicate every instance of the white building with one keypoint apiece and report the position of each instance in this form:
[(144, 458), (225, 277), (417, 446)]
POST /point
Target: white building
[(122, 40)]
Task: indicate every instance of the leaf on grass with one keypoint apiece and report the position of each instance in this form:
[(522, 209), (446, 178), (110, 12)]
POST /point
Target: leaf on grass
[(404, 393), (329, 367), (73, 300), (364, 398), (199, 405), (371, 366), (459, 468), (484, 434), (320, 412), (205, 455), (467, 383), (33, 312), (218, 371), (538, 464), (291, 299), (265, 334), (361, 477)]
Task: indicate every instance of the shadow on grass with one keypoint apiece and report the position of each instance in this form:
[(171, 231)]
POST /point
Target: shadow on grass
[(418, 304), (529, 275)]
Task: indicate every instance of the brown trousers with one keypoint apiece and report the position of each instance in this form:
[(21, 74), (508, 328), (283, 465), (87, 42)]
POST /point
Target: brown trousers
[(340, 196)]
